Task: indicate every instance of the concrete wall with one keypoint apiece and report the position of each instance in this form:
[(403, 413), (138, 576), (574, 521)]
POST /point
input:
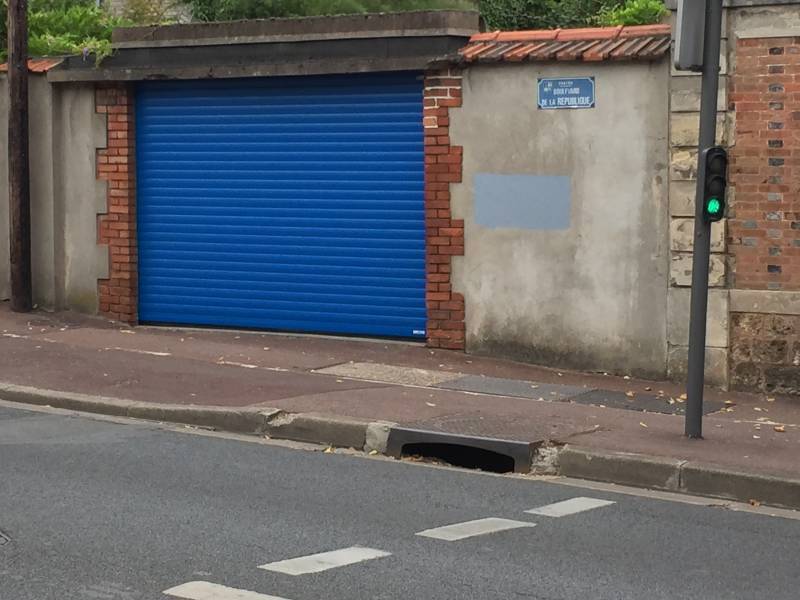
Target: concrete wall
[(66, 197), (592, 295)]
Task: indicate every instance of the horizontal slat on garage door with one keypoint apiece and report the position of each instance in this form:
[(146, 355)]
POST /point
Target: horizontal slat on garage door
[(290, 204)]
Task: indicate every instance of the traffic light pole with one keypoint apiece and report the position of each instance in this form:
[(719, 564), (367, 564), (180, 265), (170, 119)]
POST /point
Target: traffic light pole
[(702, 228)]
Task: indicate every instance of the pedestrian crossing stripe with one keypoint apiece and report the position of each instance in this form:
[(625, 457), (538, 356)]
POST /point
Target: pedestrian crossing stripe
[(461, 531), (569, 507), (203, 590), (317, 563)]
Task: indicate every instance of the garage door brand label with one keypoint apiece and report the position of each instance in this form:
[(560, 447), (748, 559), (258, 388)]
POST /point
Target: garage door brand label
[(577, 92)]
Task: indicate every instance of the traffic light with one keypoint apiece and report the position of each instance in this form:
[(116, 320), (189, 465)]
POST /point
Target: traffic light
[(715, 182)]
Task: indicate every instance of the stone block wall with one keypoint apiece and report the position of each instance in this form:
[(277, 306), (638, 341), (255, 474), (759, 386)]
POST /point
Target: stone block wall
[(684, 120)]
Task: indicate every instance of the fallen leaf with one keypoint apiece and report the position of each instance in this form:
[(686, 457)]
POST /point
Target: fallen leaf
[(627, 377), (671, 401), (648, 389), (431, 404), (770, 399), (780, 428), (534, 386), (373, 452), (757, 427), (643, 424), (682, 396), (755, 503), (729, 409), (560, 374), (328, 450), (758, 409), (756, 437), (729, 402), (630, 394), (339, 381)]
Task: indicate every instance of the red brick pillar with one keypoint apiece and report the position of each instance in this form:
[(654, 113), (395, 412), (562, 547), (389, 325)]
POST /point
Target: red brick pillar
[(444, 235), (117, 227)]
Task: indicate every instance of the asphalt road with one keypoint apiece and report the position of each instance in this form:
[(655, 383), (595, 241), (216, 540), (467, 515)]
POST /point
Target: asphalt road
[(100, 510)]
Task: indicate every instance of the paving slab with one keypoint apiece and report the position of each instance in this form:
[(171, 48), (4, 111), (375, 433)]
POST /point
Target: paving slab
[(514, 388), (641, 402), (393, 374)]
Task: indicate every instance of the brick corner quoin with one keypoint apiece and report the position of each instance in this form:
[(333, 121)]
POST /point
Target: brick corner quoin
[(444, 235), (117, 227)]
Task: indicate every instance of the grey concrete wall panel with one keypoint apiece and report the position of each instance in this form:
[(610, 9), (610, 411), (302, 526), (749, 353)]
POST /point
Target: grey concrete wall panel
[(80, 196), (402, 24), (522, 201), (593, 296), (66, 197)]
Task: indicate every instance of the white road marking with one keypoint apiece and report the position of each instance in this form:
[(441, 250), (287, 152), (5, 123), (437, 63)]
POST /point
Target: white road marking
[(203, 590), (461, 531), (317, 563), (569, 507)]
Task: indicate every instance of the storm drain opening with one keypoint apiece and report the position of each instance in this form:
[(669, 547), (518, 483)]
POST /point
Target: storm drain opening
[(457, 455)]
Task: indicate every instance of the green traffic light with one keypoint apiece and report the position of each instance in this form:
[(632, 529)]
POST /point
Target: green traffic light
[(714, 206)]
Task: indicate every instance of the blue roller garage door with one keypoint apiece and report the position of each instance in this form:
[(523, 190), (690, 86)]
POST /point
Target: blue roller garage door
[(291, 204)]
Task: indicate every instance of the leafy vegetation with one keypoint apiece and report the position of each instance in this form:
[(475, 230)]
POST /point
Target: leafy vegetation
[(227, 10), (551, 14), (59, 27), (634, 12)]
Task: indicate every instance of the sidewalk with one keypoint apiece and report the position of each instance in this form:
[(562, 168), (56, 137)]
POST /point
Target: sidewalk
[(426, 394)]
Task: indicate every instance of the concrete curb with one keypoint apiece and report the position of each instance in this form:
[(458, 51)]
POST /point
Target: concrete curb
[(622, 468), (672, 475), (342, 432)]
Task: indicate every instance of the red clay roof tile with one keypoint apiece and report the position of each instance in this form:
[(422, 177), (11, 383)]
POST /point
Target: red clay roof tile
[(645, 42), (37, 65)]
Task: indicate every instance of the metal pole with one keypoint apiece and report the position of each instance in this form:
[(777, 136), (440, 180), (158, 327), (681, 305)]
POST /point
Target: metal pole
[(702, 229), (19, 199)]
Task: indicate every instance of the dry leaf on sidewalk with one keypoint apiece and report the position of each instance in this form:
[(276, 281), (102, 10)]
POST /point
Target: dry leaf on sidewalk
[(431, 404), (648, 389), (780, 428), (682, 396), (373, 452), (671, 401), (329, 450), (770, 399), (729, 402), (643, 424), (755, 503), (630, 394)]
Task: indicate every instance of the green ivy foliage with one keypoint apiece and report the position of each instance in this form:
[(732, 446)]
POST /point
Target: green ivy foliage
[(228, 10), (61, 27), (634, 12)]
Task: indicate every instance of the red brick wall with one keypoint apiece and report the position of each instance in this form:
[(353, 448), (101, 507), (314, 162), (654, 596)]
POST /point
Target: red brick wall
[(444, 235), (764, 227), (117, 228)]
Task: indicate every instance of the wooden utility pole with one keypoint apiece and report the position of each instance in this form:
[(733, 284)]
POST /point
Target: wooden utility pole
[(18, 157)]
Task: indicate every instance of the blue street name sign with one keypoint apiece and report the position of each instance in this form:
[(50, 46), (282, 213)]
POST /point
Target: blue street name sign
[(576, 92)]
